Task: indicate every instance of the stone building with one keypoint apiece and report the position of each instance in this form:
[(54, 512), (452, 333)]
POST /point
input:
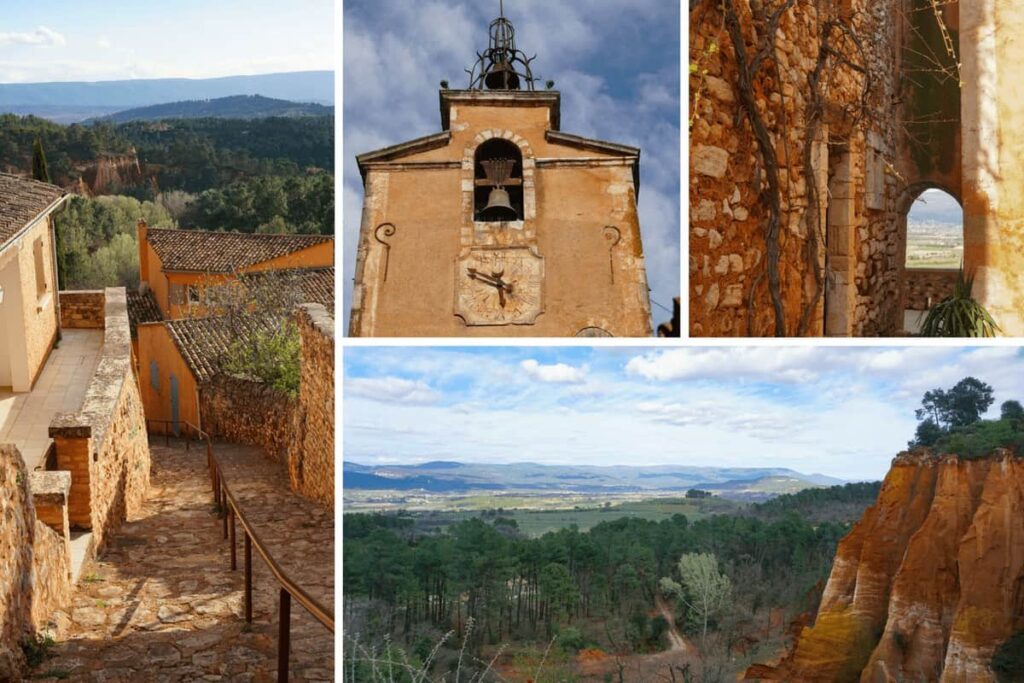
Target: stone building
[(178, 266), (814, 128), (501, 224), (29, 318), (177, 357)]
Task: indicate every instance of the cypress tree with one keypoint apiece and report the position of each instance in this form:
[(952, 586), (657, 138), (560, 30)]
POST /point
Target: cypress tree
[(40, 171)]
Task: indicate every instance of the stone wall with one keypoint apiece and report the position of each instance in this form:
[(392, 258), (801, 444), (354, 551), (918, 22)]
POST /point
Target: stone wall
[(104, 445), (247, 411), (311, 459), (35, 560), (82, 309), (851, 161), (17, 522), (925, 287), (298, 432)]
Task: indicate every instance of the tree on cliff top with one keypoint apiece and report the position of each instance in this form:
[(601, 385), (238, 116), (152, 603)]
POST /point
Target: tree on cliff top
[(942, 411), (1012, 411), (960, 406)]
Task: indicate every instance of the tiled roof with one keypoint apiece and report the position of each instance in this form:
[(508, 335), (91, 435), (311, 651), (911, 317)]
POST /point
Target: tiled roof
[(21, 201), (223, 252), (204, 342), (142, 308), (317, 283), (318, 286)]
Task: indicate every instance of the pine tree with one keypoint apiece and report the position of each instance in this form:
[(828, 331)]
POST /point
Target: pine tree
[(40, 171)]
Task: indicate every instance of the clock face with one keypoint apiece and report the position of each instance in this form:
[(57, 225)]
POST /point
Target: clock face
[(499, 286)]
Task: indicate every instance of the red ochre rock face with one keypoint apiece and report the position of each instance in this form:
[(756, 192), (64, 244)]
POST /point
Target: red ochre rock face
[(928, 583)]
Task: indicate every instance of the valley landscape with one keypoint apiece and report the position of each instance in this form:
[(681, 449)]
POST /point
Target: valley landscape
[(704, 571), (238, 160)]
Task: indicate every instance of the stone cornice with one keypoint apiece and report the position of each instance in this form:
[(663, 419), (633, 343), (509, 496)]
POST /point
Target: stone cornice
[(551, 99)]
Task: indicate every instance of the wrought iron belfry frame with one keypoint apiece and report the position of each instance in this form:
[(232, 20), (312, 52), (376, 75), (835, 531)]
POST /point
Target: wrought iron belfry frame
[(502, 66)]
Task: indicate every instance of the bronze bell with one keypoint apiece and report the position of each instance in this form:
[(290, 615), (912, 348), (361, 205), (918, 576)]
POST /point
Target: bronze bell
[(499, 207), (502, 77)]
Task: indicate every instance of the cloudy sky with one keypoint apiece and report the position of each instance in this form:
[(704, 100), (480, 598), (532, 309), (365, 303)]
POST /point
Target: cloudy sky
[(616, 63), (840, 411), (72, 40), (936, 206)]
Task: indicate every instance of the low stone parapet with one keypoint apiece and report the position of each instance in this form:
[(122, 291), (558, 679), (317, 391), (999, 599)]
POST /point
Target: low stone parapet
[(925, 287), (82, 309), (104, 445)]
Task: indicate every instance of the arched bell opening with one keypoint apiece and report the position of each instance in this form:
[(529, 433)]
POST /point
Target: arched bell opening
[(498, 180)]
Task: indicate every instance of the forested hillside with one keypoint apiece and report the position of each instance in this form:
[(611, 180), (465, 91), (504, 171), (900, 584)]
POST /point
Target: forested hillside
[(624, 591), (234, 107), (271, 175)]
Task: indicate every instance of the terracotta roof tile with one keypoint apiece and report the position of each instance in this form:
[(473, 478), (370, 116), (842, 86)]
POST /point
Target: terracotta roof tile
[(142, 308), (21, 201), (204, 342), (223, 252), (317, 283)]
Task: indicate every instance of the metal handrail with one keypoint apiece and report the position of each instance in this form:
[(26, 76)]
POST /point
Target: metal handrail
[(230, 510), (227, 503)]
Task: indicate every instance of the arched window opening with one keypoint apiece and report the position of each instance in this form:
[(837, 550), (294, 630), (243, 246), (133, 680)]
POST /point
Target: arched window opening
[(935, 232), (498, 195), (934, 254)]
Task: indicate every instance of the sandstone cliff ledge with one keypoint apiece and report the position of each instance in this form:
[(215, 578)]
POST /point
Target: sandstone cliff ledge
[(928, 584)]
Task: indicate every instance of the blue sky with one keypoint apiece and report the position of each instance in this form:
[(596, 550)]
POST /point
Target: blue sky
[(839, 411), (616, 63), (65, 40)]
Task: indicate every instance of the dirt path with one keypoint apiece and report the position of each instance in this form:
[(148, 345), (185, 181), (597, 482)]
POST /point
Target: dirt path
[(675, 638), (162, 604)]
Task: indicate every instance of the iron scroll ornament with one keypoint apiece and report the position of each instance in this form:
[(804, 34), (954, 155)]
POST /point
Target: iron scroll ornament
[(614, 236), (388, 230)]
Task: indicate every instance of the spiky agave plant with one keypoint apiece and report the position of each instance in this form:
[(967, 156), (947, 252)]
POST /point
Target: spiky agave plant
[(959, 315)]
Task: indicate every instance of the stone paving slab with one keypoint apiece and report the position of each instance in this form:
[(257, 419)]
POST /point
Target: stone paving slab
[(161, 604)]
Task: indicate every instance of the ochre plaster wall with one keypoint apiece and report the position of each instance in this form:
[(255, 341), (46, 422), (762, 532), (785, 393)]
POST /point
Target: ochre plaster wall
[(573, 205), (155, 343)]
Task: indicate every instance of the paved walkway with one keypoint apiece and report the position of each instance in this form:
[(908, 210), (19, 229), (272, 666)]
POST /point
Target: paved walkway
[(60, 388), (161, 604)]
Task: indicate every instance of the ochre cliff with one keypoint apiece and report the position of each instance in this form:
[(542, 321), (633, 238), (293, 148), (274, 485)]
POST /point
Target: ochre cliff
[(928, 583), (109, 173)]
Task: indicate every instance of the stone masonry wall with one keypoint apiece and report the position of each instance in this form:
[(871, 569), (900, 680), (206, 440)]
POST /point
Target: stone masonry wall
[(925, 287), (247, 411), (51, 575), (35, 560), (311, 459), (82, 309), (852, 158), (104, 445), (17, 521), (298, 432)]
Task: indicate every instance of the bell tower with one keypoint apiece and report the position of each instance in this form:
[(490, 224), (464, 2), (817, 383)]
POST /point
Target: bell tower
[(500, 225)]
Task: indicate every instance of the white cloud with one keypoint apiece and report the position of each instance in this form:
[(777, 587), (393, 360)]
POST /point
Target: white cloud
[(558, 373), (392, 389), (787, 365), (41, 37), (104, 43)]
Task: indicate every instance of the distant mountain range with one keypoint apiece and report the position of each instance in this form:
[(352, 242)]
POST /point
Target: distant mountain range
[(454, 477), (232, 107), (69, 102)]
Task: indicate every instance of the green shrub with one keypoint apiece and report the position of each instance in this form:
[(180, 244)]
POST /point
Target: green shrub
[(959, 315)]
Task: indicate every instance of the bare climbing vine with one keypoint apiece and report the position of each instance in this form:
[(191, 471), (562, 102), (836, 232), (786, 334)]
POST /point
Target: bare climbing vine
[(748, 69), (753, 31)]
